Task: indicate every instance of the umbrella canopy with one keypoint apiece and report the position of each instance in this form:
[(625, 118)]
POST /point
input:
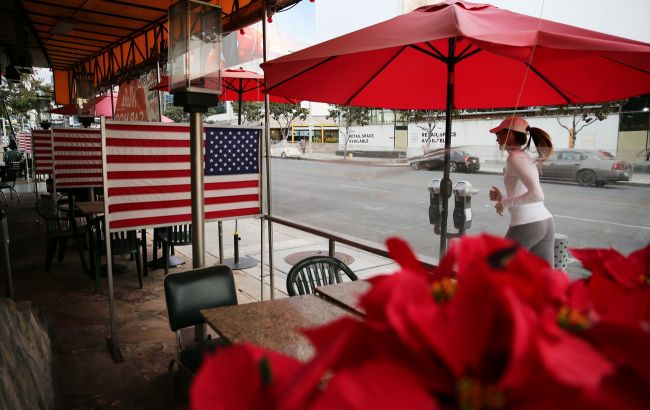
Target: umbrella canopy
[(102, 107), (236, 82), (402, 63), (458, 54)]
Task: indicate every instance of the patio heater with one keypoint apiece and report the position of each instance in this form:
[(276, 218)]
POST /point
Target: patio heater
[(43, 107), (195, 80), (83, 100)]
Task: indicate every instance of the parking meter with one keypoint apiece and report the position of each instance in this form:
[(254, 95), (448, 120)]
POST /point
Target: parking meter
[(463, 192), (434, 204)]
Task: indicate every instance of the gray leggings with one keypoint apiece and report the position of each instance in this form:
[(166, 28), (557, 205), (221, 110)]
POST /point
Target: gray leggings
[(538, 237)]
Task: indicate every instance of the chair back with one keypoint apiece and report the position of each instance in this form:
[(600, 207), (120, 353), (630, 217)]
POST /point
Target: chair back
[(186, 293), (309, 273), (122, 243), (9, 177), (177, 235), (47, 210)]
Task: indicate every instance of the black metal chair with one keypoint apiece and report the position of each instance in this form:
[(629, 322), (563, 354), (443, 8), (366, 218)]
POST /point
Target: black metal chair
[(169, 237), (306, 275), (59, 231), (8, 181), (186, 293), (122, 243)]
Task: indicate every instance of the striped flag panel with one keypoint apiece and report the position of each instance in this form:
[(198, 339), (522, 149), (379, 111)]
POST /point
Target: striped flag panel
[(25, 142), (77, 157), (148, 174), (42, 147)]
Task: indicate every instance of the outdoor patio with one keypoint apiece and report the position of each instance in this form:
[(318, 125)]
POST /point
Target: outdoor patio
[(77, 321)]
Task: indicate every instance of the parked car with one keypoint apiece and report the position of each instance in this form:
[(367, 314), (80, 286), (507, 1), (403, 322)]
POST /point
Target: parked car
[(586, 167), (286, 150), (460, 161)]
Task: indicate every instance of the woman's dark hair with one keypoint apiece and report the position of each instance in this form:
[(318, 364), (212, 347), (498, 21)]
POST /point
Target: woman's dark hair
[(539, 137), (542, 142)]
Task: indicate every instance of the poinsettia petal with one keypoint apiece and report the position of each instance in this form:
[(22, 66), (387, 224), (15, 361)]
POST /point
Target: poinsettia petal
[(402, 253), (522, 365), (618, 304), (242, 376), (469, 326), (626, 345), (572, 360), (608, 262), (404, 286), (377, 384), (640, 259)]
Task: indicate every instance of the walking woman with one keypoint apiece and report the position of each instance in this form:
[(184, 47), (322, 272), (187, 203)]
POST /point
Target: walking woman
[(531, 224)]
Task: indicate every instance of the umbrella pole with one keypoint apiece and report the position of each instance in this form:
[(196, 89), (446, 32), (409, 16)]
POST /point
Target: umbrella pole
[(267, 157), (236, 262), (445, 184)]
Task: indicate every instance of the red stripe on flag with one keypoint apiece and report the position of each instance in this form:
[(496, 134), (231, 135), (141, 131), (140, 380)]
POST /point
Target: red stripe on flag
[(89, 183), (125, 142), (230, 199), (144, 190), (138, 206), (58, 139), (148, 174), (150, 221), (148, 128), (78, 166), (76, 131), (231, 185), (77, 157), (232, 213), (93, 149), (127, 159)]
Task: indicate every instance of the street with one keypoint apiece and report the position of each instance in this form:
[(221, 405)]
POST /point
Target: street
[(375, 202)]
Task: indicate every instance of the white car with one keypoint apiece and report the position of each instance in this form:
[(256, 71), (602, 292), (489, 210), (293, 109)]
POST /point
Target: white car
[(285, 150)]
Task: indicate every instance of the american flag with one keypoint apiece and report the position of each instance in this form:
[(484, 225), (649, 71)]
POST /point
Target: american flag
[(25, 142), (148, 174), (232, 172), (77, 157), (42, 142)]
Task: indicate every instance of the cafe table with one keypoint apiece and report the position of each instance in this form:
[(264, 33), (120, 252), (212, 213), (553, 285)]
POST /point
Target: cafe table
[(275, 324), (95, 208), (345, 294), (91, 209)]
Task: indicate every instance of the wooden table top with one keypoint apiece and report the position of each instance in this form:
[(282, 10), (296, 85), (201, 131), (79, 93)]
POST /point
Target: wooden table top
[(345, 294), (91, 208), (274, 324)]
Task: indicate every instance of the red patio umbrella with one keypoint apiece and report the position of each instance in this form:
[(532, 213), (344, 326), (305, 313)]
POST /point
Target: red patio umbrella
[(102, 107), (457, 55)]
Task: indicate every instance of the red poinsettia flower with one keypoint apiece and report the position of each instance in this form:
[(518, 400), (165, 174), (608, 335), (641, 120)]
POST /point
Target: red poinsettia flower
[(619, 287), (499, 344), (243, 376), (376, 384)]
